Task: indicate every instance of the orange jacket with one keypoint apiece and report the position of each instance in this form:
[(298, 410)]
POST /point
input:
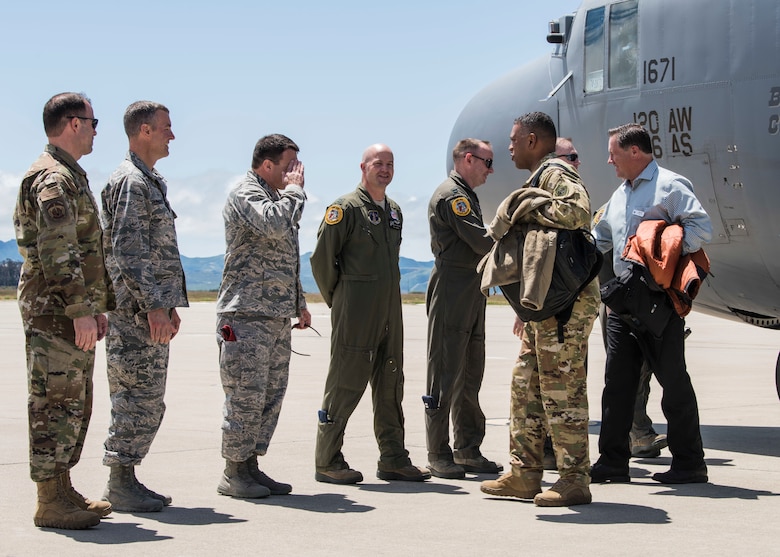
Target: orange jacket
[(657, 245)]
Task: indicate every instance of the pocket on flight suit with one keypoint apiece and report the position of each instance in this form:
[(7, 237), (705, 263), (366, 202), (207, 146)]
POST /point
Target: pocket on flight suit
[(393, 380), (354, 366)]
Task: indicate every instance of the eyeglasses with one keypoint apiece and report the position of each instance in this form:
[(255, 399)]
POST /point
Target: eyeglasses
[(571, 157), (93, 120), (488, 162)]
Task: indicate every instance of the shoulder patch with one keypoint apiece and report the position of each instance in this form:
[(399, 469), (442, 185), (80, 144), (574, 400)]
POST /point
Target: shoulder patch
[(461, 206), (563, 189), (56, 210), (334, 214), (50, 192)]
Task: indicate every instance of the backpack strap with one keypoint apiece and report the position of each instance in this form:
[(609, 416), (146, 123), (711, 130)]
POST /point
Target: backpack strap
[(563, 316)]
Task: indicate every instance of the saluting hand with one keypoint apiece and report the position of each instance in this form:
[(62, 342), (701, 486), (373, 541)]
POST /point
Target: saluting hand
[(294, 173)]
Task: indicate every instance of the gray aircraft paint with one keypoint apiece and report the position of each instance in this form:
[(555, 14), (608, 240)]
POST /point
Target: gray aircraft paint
[(704, 78)]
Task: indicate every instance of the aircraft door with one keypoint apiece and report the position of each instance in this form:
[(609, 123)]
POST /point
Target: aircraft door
[(698, 170)]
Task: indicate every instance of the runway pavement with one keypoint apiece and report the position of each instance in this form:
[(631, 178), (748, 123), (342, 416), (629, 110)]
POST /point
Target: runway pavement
[(732, 366)]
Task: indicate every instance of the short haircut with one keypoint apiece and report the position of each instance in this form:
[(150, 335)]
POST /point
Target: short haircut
[(468, 145), (632, 134), (140, 113), (60, 106), (539, 124), (271, 148)]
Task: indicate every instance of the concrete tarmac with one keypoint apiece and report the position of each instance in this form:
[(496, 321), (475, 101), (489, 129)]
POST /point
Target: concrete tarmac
[(732, 366)]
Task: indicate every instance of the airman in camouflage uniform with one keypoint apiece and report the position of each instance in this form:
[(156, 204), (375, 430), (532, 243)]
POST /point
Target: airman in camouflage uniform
[(260, 292), (63, 292), (456, 317), (549, 379), (355, 264), (143, 260)]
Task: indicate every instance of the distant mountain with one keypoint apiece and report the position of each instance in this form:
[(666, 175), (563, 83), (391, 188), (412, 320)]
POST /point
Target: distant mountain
[(8, 250), (205, 273)]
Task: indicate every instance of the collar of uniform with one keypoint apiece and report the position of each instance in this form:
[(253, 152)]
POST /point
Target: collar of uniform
[(458, 179), (363, 193), (263, 184), (136, 161), (534, 178), (64, 157)]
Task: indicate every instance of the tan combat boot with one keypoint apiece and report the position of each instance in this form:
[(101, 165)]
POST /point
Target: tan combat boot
[(523, 485), (100, 508), (56, 510), (564, 493)]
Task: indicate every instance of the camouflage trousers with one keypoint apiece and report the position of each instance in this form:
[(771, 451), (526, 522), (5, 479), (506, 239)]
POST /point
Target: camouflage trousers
[(137, 373), (59, 405), (254, 366), (549, 389)]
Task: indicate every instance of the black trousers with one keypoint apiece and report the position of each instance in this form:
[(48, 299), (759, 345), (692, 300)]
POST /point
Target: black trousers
[(624, 362)]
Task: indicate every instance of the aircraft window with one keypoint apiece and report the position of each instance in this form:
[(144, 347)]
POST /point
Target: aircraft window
[(594, 50), (623, 44)]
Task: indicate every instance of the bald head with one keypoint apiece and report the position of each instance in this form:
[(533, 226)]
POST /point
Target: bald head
[(372, 151), (377, 169)]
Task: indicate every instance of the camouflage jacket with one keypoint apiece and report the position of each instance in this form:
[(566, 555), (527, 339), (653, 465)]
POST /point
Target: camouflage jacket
[(59, 237), (142, 255), (262, 256)]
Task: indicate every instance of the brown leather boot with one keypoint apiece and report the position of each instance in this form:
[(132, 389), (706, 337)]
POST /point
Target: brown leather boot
[(56, 510), (100, 508), (523, 485)]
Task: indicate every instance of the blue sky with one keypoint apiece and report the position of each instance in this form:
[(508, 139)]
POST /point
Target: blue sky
[(334, 76)]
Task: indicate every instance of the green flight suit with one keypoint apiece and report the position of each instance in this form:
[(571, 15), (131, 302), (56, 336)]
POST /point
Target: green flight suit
[(355, 264), (456, 322)]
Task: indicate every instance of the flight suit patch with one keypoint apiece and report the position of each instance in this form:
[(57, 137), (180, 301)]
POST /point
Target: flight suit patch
[(395, 221), (373, 217), (334, 214), (461, 206)]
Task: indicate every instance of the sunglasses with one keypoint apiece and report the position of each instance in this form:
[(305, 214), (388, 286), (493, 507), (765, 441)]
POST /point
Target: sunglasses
[(93, 120), (571, 157), (488, 162)]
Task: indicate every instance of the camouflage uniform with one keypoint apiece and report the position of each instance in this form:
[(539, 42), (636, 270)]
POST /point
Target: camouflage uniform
[(143, 259), (456, 321), (63, 277), (549, 379), (260, 292), (355, 264)]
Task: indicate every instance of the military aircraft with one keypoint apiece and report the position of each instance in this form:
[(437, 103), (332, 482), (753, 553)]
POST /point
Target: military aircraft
[(704, 78)]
